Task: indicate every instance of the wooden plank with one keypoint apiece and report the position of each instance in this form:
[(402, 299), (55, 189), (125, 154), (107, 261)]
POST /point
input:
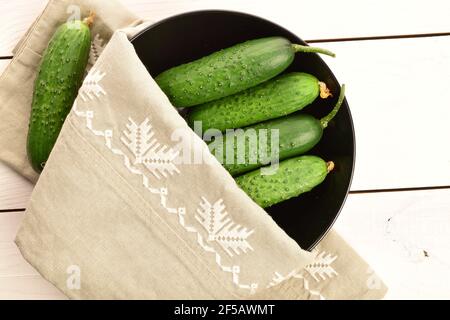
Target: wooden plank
[(405, 237), (310, 20), (9, 225), (324, 20), (28, 288), (15, 190), (16, 17), (12, 264), (397, 91)]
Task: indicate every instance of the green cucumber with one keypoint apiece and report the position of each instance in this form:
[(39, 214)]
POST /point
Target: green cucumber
[(293, 177), (297, 134), (229, 71), (278, 97), (60, 76)]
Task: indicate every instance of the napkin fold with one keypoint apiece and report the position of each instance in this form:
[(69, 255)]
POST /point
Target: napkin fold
[(131, 205)]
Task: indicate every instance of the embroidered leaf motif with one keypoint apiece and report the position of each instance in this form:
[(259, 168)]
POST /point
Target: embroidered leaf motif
[(91, 86), (140, 138), (157, 158), (212, 217), (321, 268), (97, 47), (221, 229), (279, 278), (234, 237), (160, 160)]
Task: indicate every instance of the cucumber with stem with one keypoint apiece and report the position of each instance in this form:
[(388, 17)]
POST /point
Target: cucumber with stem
[(60, 76), (297, 134), (294, 177), (229, 71), (275, 98)]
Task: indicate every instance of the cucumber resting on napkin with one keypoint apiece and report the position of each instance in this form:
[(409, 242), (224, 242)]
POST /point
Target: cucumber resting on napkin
[(59, 77)]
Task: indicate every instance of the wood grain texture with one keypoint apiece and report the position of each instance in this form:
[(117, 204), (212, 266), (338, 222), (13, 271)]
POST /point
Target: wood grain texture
[(397, 91), (9, 225), (12, 264), (28, 288), (15, 191), (309, 19), (405, 238), (16, 17)]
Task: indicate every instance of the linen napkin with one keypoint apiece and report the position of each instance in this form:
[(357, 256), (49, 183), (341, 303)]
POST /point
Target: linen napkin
[(17, 81), (120, 212)]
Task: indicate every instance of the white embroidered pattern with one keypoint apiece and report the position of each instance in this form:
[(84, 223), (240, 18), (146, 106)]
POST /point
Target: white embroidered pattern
[(321, 268), (278, 278), (97, 47), (231, 237), (157, 158), (234, 270), (91, 87)]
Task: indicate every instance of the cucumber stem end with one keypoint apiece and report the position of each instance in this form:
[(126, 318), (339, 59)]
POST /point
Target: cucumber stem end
[(325, 120), (308, 49), (324, 91), (89, 21), (330, 166)]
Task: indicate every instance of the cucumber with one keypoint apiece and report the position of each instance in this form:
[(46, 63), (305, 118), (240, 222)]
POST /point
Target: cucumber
[(297, 135), (273, 99), (229, 71), (60, 76), (294, 177)]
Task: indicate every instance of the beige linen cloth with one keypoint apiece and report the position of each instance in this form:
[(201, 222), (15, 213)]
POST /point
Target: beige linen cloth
[(124, 208)]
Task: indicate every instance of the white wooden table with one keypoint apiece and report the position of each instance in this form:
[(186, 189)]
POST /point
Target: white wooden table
[(394, 57)]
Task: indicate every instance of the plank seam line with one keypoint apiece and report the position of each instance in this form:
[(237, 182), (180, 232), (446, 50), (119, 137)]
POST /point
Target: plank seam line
[(12, 210), (399, 190), (399, 36)]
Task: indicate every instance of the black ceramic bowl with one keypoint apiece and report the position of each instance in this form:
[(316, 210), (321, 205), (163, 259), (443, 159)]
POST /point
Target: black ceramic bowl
[(192, 35)]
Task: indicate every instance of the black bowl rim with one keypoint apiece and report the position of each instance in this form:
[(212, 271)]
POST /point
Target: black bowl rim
[(239, 13)]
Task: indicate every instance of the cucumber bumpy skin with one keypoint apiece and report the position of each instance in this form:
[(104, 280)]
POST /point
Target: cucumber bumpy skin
[(297, 134), (278, 97), (230, 70), (60, 76), (294, 177)]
